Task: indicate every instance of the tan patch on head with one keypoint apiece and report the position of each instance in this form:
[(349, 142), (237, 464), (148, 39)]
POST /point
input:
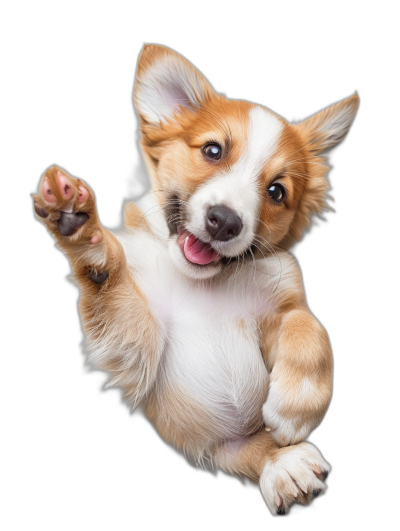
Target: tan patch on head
[(304, 181), (316, 134), (299, 167), (174, 151)]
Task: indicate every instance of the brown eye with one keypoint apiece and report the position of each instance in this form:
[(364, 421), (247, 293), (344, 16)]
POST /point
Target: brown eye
[(212, 151), (277, 192)]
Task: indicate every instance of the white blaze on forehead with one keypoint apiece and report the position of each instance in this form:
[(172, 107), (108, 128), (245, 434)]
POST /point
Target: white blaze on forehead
[(238, 187), (263, 135)]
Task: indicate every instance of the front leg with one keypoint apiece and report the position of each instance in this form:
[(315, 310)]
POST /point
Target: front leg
[(122, 334), (301, 376)]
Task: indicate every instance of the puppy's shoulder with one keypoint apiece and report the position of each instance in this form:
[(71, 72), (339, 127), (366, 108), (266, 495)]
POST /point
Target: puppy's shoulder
[(278, 280)]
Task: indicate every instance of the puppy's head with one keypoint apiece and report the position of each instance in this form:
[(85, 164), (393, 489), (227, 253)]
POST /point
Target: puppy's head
[(232, 177)]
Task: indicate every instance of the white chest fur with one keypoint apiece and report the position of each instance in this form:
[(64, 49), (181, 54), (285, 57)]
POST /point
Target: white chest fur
[(210, 331), (212, 354), (211, 367)]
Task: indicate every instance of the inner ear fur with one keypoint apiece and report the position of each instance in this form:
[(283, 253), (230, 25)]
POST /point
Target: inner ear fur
[(325, 129), (167, 85)]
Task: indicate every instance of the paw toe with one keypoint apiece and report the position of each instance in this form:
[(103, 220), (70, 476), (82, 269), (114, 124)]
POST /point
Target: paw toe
[(47, 192), (41, 212), (57, 187), (83, 194), (65, 186)]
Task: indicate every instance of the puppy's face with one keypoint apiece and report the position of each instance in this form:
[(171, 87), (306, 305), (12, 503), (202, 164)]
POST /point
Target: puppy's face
[(234, 179)]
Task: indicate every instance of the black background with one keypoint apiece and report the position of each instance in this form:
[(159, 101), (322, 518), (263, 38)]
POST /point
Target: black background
[(79, 452)]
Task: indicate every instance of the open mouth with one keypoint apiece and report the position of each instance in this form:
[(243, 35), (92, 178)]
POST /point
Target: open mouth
[(195, 250)]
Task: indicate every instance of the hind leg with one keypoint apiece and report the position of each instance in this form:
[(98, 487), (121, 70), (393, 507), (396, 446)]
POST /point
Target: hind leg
[(293, 474)]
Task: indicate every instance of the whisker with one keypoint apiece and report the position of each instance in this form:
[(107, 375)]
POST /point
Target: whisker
[(326, 166), (319, 157), (302, 147)]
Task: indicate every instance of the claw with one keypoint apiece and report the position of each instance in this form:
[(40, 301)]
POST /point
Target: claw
[(324, 474), (316, 492)]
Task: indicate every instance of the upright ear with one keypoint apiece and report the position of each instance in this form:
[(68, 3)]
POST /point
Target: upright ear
[(328, 127), (166, 84)]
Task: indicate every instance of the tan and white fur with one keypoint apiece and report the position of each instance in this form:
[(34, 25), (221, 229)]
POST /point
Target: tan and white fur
[(196, 308)]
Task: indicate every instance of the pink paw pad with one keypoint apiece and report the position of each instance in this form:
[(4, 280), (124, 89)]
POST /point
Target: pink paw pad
[(47, 193), (97, 238), (65, 186), (83, 194)]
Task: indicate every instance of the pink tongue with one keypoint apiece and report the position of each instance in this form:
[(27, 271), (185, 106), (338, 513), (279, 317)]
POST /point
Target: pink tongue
[(198, 252)]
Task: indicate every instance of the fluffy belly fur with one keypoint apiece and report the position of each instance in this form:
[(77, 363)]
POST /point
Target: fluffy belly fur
[(212, 380)]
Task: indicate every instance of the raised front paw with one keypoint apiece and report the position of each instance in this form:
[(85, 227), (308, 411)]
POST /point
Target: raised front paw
[(295, 405), (66, 205), (296, 475)]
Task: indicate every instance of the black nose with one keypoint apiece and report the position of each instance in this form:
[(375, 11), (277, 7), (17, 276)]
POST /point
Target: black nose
[(223, 223)]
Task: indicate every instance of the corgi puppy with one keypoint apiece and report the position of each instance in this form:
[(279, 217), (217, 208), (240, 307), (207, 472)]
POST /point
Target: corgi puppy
[(195, 308)]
